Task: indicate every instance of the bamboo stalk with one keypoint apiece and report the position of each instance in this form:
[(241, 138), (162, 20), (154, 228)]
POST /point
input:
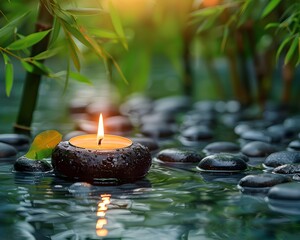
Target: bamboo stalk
[(288, 72), (32, 80)]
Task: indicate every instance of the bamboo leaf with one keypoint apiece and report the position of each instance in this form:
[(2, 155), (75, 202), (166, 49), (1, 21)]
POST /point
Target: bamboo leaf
[(12, 24), (281, 47), (103, 33), (73, 51), (225, 37), (80, 78), (272, 25), (85, 11), (28, 41), (55, 32), (271, 5), (43, 145), (47, 54), (40, 68), (117, 23), (205, 12), (292, 50), (27, 66), (9, 74)]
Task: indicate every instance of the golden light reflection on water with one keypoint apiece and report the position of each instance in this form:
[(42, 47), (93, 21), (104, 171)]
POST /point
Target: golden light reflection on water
[(101, 211)]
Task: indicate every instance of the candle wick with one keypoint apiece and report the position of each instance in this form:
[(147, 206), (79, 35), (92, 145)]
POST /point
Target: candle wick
[(99, 141)]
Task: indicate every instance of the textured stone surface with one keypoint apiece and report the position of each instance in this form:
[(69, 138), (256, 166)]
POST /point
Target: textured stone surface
[(280, 158), (125, 164), (19, 141), (218, 147), (258, 149), (24, 164), (222, 162), (264, 180), (150, 143), (179, 156), (287, 169), (7, 151)]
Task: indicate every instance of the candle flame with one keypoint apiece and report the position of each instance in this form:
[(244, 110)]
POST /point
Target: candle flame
[(100, 134)]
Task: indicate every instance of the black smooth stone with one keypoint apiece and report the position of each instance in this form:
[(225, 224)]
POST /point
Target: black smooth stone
[(157, 118), (118, 124), (261, 182), (281, 131), (294, 145), (292, 123), (97, 166), (19, 141), (179, 156), (280, 158), (258, 135), (222, 162), (258, 149), (287, 169), (78, 105), (172, 104), (7, 151), (24, 164), (286, 191), (161, 130), (218, 147), (136, 105), (197, 133), (150, 143), (72, 134), (108, 109)]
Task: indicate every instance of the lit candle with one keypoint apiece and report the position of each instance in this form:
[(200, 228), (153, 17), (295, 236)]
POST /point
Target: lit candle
[(100, 141), (101, 158)]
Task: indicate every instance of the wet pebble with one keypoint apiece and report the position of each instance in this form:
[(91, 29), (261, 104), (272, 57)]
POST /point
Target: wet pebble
[(150, 143), (72, 134), (78, 105), (260, 182), (294, 145), (19, 141), (107, 109), (136, 105), (7, 151), (161, 130), (171, 104), (24, 164), (218, 147), (197, 133), (293, 123), (222, 162), (258, 149), (280, 158), (286, 191), (157, 118), (281, 131), (118, 124), (259, 135), (287, 169), (179, 156)]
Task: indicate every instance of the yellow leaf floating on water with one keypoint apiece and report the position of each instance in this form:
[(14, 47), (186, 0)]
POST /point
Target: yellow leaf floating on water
[(43, 144)]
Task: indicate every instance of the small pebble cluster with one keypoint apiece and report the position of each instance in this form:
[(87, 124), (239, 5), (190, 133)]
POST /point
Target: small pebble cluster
[(211, 137)]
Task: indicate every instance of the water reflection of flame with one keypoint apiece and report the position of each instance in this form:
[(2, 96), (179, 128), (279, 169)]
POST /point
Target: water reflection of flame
[(102, 208)]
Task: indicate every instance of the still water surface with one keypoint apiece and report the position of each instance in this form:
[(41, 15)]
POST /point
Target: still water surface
[(170, 203)]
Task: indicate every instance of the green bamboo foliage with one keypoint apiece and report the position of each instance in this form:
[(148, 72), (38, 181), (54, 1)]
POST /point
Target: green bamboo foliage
[(57, 26)]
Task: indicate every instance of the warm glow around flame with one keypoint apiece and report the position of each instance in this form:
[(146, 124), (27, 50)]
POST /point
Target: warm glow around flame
[(100, 134)]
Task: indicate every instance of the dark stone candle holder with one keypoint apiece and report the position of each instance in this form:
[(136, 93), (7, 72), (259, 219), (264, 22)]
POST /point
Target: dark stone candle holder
[(122, 165)]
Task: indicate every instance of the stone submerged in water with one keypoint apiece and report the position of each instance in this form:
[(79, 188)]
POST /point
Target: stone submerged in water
[(19, 141), (162, 130), (24, 164), (222, 162), (294, 145), (259, 135), (150, 143), (196, 133), (258, 149), (7, 151), (218, 147), (285, 198), (174, 155), (281, 158), (260, 182), (287, 169)]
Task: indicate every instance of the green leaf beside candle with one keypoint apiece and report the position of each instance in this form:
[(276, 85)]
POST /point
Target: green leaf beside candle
[(43, 145)]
